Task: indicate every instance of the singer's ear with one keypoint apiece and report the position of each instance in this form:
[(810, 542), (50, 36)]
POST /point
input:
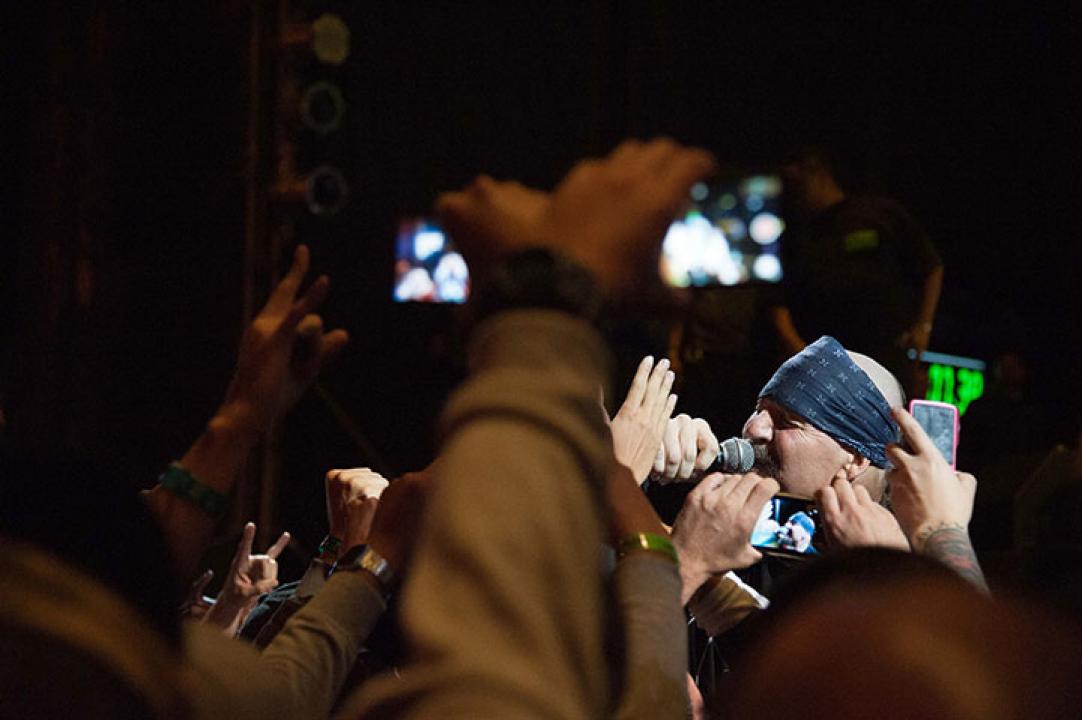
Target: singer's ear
[(856, 466)]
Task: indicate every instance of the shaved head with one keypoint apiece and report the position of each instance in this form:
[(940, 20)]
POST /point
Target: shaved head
[(882, 378)]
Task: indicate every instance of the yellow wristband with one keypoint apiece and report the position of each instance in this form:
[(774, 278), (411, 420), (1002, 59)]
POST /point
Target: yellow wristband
[(649, 541)]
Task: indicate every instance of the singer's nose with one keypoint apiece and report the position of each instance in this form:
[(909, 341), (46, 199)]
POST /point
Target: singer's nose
[(759, 427)]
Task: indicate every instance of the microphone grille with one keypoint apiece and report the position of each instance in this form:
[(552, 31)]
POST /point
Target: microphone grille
[(738, 455)]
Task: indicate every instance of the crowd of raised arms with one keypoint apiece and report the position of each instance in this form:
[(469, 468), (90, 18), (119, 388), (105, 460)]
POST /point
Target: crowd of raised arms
[(524, 573)]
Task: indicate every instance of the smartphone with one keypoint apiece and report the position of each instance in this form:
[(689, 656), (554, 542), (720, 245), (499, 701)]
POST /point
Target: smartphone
[(427, 267), (789, 525), (940, 421), (728, 236)]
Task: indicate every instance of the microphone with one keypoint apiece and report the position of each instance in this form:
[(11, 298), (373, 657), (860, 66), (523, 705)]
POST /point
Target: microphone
[(737, 456)]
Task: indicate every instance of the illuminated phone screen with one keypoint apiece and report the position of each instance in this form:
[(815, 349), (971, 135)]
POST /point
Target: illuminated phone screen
[(940, 423), (427, 267), (789, 525)]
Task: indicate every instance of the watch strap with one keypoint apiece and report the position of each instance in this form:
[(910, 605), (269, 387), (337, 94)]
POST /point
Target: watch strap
[(364, 558)]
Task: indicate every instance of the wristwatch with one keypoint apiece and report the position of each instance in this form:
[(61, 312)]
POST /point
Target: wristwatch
[(364, 558), (539, 278)]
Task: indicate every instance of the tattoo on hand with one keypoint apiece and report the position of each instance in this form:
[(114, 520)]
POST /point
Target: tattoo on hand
[(949, 544)]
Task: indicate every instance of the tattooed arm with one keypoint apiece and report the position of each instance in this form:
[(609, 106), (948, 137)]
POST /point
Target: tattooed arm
[(949, 544), (932, 502)]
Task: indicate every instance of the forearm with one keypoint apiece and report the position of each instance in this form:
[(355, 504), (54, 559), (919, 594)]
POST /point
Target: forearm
[(315, 650), (504, 598), (655, 638), (313, 580), (303, 669), (215, 459), (950, 544)]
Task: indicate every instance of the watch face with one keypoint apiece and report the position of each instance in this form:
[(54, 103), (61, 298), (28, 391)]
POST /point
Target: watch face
[(376, 565)]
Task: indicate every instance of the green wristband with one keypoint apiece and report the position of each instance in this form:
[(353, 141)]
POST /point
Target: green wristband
[(649, 541), (183, 484)]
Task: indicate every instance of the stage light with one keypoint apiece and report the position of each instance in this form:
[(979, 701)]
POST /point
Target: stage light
[(765, 228), (330, 41), (734, 228), (323, 107), (326, 191), (699, 192), (767, 267)]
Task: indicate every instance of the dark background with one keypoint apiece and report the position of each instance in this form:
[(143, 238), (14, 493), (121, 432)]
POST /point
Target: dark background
[(123, 185)]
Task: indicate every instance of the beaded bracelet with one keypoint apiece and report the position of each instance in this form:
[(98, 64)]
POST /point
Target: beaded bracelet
[(649, 541), (330, 546), (183, 484)]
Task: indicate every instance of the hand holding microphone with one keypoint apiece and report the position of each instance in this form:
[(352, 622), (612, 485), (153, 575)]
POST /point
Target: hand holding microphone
[(690, 450)]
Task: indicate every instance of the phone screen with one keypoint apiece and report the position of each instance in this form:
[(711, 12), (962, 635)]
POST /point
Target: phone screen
[(729, 236), (789, 525), (427, 266), (940, 422)]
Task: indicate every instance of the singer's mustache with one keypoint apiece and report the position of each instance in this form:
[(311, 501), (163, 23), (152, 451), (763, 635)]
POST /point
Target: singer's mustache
[(765, 464)]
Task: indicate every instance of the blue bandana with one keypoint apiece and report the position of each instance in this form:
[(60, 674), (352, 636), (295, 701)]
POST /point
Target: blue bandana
[(823, 385)]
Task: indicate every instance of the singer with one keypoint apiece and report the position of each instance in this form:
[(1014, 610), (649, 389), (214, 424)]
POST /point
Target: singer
[(826, 413)]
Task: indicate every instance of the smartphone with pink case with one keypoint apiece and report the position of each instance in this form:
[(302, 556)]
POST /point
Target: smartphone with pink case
[(940, 422)]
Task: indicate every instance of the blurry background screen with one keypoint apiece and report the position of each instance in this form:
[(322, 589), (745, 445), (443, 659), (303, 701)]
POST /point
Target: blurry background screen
[(729, 236)]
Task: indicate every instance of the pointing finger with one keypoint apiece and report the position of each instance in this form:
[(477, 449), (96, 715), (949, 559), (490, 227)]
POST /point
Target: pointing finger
[(309, 302), (914, 433), (827, 499), (637, 390), (654, 384), (244, 547), (282, 296)]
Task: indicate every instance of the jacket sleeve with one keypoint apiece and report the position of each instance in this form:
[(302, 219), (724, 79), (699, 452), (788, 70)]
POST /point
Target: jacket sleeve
[(655, 638), (723, 602), (302, 670), (504, 605)]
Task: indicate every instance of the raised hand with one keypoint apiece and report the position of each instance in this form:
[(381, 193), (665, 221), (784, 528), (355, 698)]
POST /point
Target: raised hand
[(932, 502), (639, 423), (688, 448), (609, 215), (283, 349), (352, 498), (712, 533), (249, 577), (853, 519), (925, 492), (398, 518)]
